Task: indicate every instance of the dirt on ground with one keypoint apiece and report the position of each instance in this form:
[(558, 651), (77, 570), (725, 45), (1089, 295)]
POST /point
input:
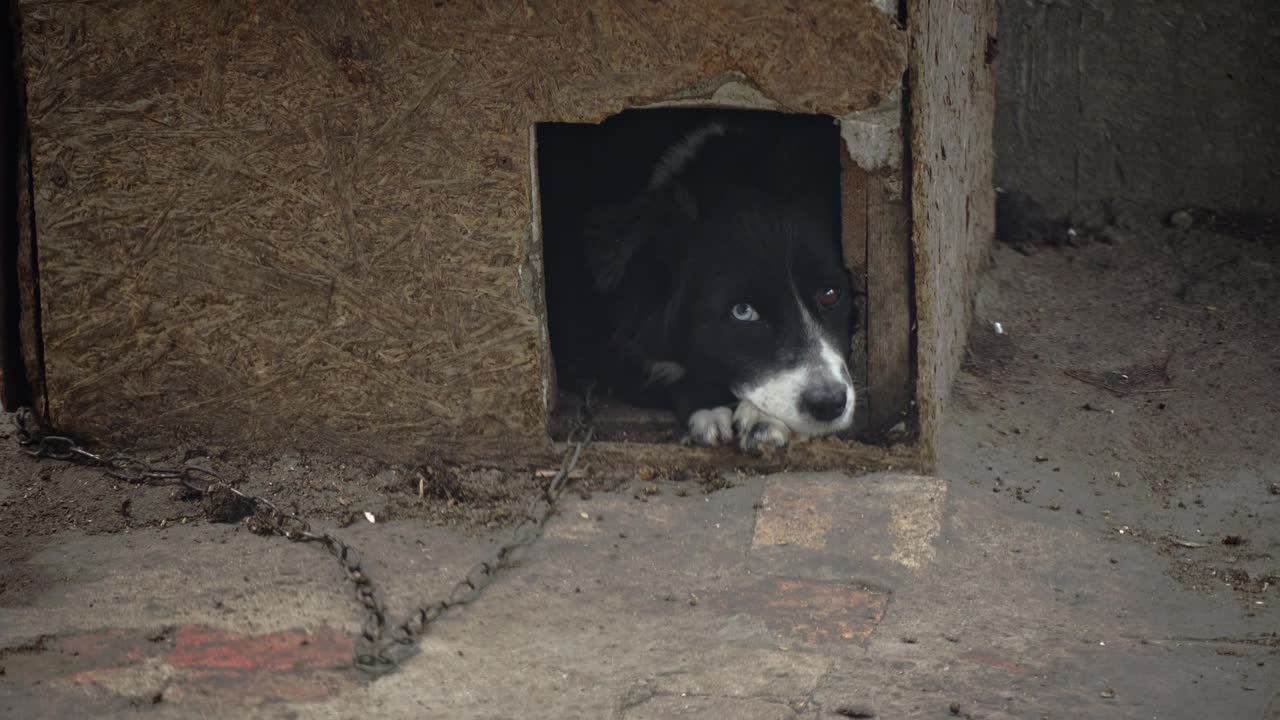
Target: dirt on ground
[(41, 498), (1134, 385)]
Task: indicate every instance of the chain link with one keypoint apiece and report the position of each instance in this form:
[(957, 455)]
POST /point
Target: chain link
[(377, 651)]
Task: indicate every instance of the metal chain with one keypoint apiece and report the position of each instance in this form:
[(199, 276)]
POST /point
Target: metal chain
[(376, 651)]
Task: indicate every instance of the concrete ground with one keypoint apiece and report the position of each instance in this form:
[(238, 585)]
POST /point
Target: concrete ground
[(1100, 541)]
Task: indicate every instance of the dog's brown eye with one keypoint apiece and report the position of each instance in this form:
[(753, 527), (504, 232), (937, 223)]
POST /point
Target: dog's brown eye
[(827, 297)]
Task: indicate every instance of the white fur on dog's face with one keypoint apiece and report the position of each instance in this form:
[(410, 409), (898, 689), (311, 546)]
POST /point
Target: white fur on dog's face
[(778, 393)]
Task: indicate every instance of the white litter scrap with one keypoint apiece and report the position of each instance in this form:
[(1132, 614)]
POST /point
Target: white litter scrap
[(998, 327), (369, 516)]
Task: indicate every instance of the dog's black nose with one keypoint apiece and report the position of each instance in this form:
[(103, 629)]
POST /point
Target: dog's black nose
[(825, 403)]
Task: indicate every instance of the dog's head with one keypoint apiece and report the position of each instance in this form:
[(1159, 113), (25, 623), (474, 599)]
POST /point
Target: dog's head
[(747, 285), (764, 305)]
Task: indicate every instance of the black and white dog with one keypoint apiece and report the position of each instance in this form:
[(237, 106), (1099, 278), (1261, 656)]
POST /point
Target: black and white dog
[(723, 290)]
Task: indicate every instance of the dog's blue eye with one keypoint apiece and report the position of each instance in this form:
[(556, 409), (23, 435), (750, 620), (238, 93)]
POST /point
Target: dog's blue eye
[(745, 313)]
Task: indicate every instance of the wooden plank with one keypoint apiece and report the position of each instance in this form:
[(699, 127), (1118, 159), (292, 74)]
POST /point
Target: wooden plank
[(891, 385), (952, 106), (30, 341), (853, 230)]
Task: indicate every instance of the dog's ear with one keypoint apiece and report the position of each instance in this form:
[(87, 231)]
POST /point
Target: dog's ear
[(616, 236)]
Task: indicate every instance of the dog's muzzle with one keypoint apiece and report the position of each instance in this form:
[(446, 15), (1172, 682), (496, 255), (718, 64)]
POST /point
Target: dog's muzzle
[(824, 403)]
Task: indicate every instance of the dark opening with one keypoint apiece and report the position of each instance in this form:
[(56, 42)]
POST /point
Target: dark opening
[(15, 390), (586, 166)]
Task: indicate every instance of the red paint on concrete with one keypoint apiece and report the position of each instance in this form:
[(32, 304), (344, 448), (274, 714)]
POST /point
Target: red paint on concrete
[(814, 612), (205, 647), (80, 655), (205, 663), (992, 661)]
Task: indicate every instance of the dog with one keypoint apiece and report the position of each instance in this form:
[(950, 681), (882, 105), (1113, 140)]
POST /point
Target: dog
[(722, 290)]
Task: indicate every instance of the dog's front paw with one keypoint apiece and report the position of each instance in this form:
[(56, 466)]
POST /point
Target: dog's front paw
[(757, 431), (710, 427)]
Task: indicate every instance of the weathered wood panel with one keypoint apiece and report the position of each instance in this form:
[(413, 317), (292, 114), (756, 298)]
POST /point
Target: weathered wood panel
[(876, 223), (891, 378), (853, 228), (308, 223), (952, 200)]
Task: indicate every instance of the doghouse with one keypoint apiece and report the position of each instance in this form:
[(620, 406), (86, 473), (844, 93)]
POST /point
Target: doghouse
[(317, 225)]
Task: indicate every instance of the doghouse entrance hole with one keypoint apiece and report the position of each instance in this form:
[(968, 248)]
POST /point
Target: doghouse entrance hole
[(580, 166)]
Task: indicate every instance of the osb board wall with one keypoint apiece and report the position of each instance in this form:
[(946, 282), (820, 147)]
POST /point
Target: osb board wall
[(953, 204), (308, 223)]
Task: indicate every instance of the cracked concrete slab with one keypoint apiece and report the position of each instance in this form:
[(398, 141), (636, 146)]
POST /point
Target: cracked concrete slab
[(753, 601)]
